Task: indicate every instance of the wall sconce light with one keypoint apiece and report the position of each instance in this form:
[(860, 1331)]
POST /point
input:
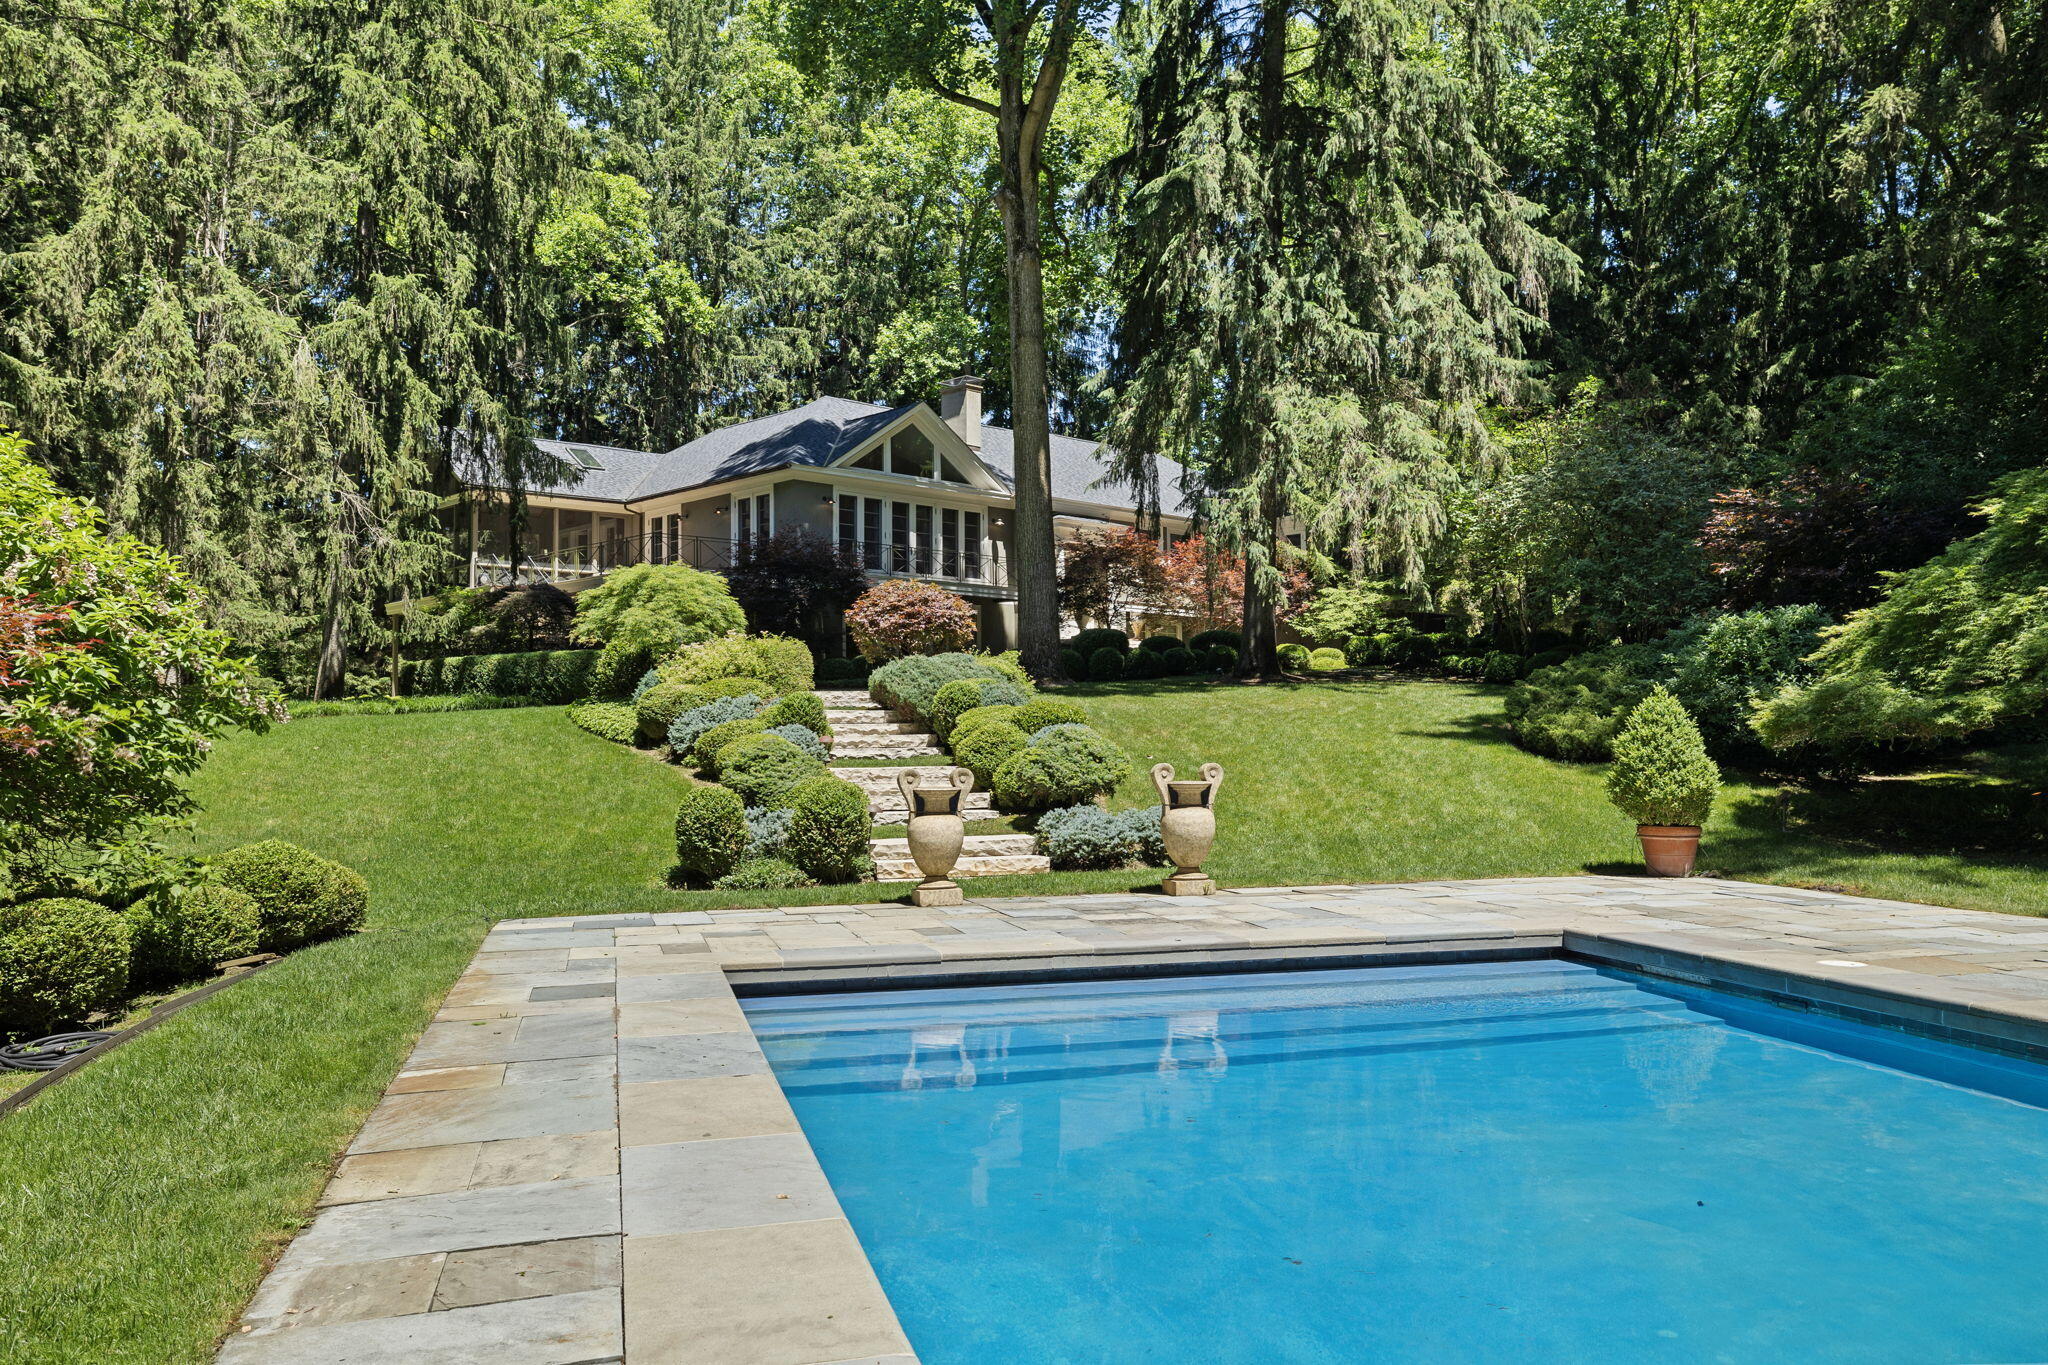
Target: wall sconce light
[(718, 511)]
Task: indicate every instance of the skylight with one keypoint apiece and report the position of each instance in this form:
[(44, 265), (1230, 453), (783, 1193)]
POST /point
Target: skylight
[(584, 458)]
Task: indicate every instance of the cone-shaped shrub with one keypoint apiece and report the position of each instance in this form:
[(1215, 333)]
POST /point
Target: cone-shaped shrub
[(1661, 773)]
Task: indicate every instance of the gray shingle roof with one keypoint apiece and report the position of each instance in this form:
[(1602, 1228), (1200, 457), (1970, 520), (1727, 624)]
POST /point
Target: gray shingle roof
[(820, 433)]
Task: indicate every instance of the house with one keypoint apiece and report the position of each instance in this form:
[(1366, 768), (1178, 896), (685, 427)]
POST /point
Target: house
[(912, 492)]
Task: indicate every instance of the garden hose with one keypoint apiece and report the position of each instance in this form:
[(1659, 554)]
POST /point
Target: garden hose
[(47, 1054)]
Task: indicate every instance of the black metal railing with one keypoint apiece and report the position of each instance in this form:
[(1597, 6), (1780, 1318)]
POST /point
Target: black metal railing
[(718, 553)]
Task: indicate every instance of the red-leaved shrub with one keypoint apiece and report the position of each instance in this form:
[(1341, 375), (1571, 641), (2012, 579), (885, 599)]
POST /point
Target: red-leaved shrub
[(903, 616)]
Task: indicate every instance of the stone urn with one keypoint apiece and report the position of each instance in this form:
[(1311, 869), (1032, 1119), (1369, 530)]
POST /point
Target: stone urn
[(936, 834), (1187, 824)]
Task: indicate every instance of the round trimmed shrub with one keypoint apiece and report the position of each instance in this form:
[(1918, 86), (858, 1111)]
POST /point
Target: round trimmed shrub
[(959, 697), (689, 726), (1294, 658), (1069, 767), (1160, 644), (1661, 773), (733, 687), (1179, 662), (1499, 666), (902, 617), (1145, 663), (709, 745), (829, 829), (1073, 663), (1106, 664), (656, 708), (711, 833), (1209, 639), (982, 715), (1219, 658), (181, 937), (61, 961), (772, 664), (1044, 733), (1040, 712), (762, 874), (1325, 660), (804, 737), (798, 708), (986, 747), (910, 685), (299, 895), (1088, 641), (762, 768)]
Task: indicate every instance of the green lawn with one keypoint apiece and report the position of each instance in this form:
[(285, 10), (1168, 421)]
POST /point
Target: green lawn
[(142, 1195)]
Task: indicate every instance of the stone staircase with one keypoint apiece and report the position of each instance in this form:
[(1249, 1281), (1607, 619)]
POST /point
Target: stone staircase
[(885, 802), (864, 728), (983, 855)]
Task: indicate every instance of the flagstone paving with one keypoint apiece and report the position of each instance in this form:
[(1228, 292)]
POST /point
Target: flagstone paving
[(588, 1160)]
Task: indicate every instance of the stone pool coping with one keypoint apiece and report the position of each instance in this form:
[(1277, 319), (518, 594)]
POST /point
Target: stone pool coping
[(587, 1158)]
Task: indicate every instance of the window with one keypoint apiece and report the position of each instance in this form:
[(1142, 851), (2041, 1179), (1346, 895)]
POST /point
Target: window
[(924, 538), (753, 519), (849, 524), (871, 533), (899, 538), (584, 458), (949, 541), (948, 473), (971, 533), (871, 460), (910, 452)]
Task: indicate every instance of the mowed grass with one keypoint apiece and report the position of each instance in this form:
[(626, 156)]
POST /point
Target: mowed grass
[(140, 1198)]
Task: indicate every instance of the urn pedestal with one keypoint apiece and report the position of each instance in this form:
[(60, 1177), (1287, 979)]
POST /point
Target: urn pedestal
[(1187, 826), (935, 834)]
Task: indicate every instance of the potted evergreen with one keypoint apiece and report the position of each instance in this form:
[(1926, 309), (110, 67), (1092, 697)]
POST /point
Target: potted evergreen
[(1664, 781)]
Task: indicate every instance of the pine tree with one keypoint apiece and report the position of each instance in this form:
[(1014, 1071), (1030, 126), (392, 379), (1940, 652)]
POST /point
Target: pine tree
[(1326, 277)]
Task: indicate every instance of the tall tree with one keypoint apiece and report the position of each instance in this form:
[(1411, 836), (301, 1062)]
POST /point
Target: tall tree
[(1006, 59), (1326, 274)]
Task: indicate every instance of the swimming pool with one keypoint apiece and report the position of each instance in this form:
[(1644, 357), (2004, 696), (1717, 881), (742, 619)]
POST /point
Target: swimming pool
[(1526, 1161)]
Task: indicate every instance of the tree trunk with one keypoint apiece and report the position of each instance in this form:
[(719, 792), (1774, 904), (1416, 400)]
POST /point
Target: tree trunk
[(1032, 561), (1261, 656), (332, 667)]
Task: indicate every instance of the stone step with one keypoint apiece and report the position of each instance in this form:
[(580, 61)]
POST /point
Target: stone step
[(978, 845), (858, 745), (885, 802), (970, 865), (848, 701), (869, 723)]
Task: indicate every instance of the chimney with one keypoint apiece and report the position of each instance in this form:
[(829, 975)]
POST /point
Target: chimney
[(960, 406)]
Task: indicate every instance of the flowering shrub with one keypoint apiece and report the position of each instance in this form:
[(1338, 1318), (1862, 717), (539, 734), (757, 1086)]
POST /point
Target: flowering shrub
[(902, 616), (111, 682)]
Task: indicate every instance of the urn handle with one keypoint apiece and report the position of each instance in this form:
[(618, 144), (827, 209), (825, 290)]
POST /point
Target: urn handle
[(1162, 773), (1212, 773)]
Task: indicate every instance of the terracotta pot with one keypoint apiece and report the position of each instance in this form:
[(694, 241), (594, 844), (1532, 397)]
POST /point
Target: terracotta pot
[(1669, 850)]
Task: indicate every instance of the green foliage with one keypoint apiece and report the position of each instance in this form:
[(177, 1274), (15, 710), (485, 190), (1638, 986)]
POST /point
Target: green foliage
[(1661, 773), (300, 897), (1844, 722), (901, 617), (962, 695), (778, 664), (1180, 662), (1573, 710), (675, 605), (1144, 663), (982, 715), (1106, 664), (61, 961), (612, 720), (764, 768), (544, 677), (111, 681), (828, 834), (984, 748), (711, 833), (909, 685), (182, 932), (1073, 663), (1009, 665), (1326, 660), (1294, 658), (1160, 643), (1210, 639), (762, 874), (798, 708), (1498, 666), (689, 726), (1338, 612), (734, 687), (1040, 712), (1219, 659), (805, 738), (1070, 766), (705, 750), (660, 705), (842, 671), (1084, 837), (404, 706), (1088, 642)]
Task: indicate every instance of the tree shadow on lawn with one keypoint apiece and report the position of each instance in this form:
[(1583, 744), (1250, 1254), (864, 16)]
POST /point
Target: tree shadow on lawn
[(1150, 687)]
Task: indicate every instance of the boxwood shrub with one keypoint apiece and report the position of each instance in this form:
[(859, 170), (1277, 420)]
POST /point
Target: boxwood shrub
[(61, 960), (613, 720), (300, 896), (1066, 768), (798, 708), (982, 715), (1326, 660), (658, 707), (1160, 644), (1145, 663), (1073, 663), (1294, 658), (762, 874), (763, 768), (705, 751), (1088, 641), (1219, 659), (1106, 664), (828, 832), (181, 933), (711, 833), (1179, 662), (909, 685), (962, 695), (986, 747), (545, 677), (1040, 712), (1209, 639)]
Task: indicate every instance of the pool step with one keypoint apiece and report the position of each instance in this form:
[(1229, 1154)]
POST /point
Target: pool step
[(983, 855), (885, 802)]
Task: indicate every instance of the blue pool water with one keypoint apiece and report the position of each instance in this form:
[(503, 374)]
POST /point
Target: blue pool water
[(1535, 1161)]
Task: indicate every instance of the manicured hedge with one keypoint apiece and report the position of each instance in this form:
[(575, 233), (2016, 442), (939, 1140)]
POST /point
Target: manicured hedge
[(180, 937), (764, 769), (1040, 712), (711, 833), (658, 706), (828, 834), (910, 685), (612, 720), (799, 708), (704, 752), (1084, 837), (1065, 768), (299, 895), (61, 961), (987, 747), (962, 695), (546, 677)]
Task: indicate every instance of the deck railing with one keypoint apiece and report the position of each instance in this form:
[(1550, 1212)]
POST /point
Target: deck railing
[(965, 568)]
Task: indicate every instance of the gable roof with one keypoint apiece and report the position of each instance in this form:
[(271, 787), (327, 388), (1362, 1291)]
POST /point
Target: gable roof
[(816, 435)]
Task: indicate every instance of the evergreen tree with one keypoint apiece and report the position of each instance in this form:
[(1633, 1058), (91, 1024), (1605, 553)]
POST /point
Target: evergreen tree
[(1326, 274)]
